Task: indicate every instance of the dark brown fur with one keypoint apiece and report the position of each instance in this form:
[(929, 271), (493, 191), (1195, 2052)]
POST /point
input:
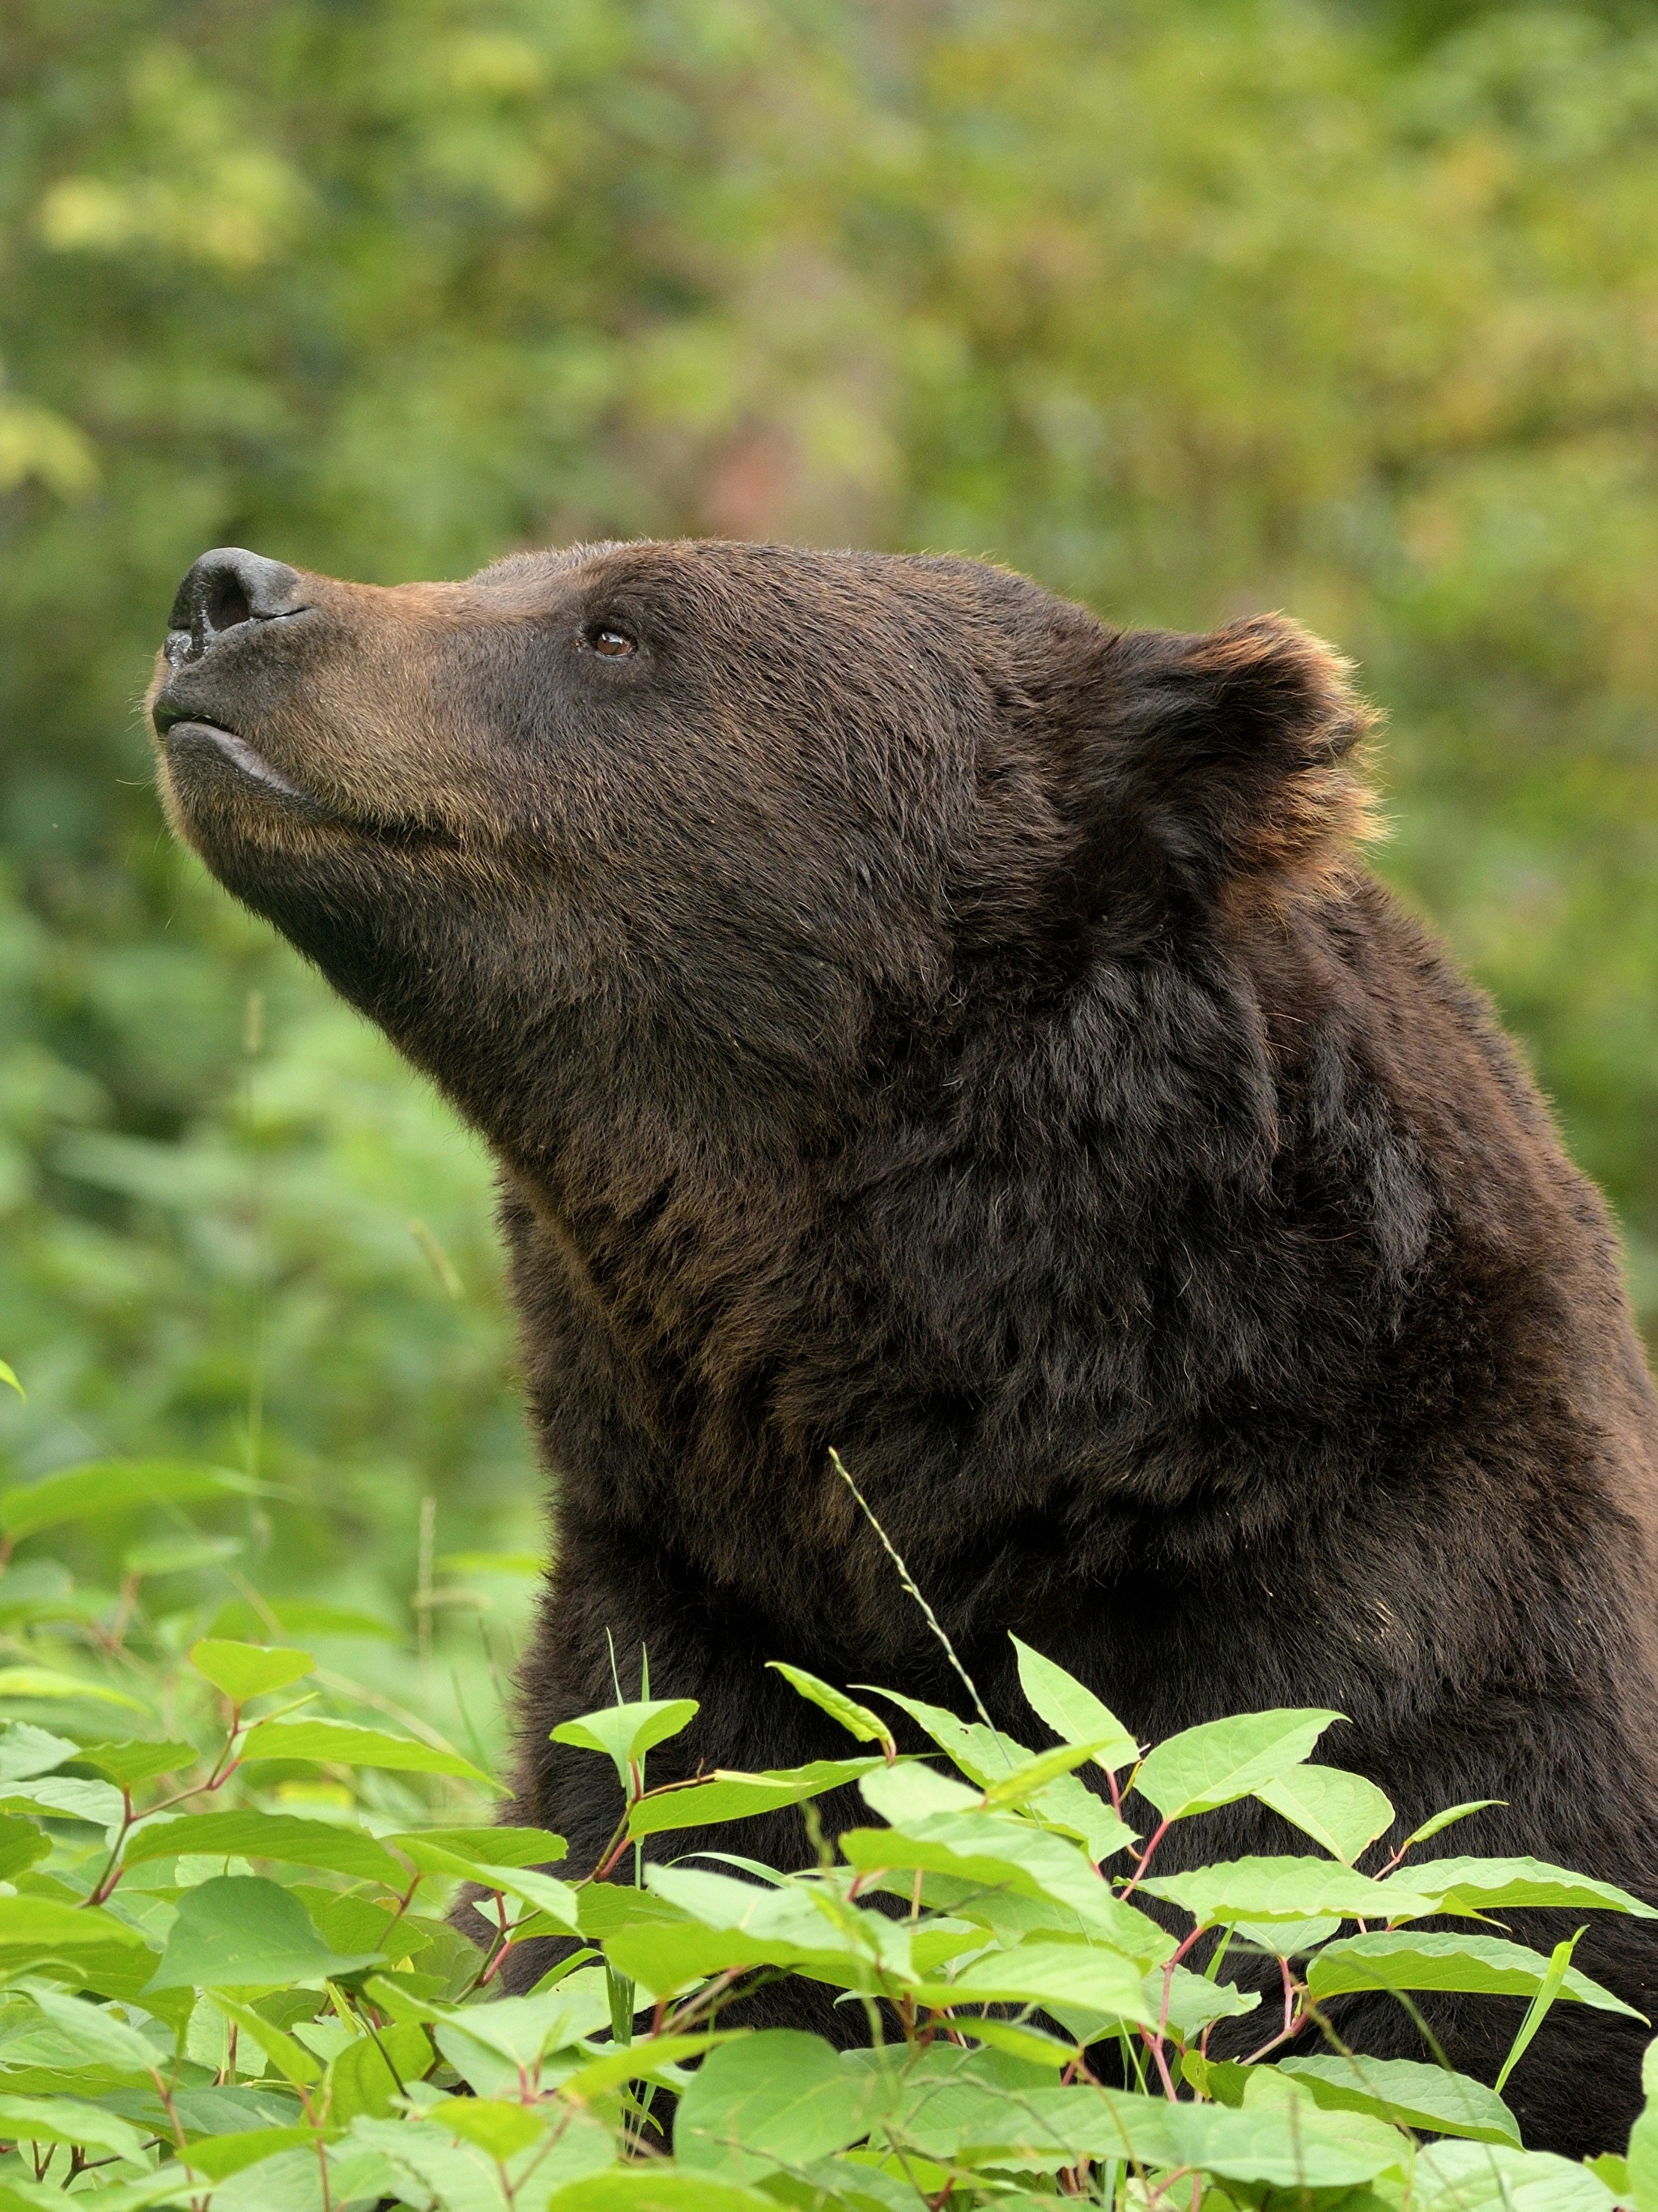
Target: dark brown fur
[(913, 1017)]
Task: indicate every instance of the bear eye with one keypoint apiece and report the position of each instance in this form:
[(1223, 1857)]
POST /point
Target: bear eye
[(605, 638)]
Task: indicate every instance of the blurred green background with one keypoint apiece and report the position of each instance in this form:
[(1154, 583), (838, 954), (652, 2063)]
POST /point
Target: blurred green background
[(1188, 307)]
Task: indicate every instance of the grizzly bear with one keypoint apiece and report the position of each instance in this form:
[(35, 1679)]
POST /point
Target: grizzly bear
[(915, 1019)]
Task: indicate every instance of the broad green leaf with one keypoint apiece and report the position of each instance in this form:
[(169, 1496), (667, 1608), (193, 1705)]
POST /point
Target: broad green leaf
[(857, 1720), (298, 1616), (1468, 2176), (625, 1733), (179, 1555), (220, 2156), (1032, 1776), (1289, 2146), (130, 1763), (97, 2035), (1643, 2137), (657, 2058), (1084, 1976), (1341, 1811), (70, 2120), (1193, 2001), (540, 1891), (112, 1486), (1429, 2097), (987, 1851), (26, 1751), (1266, 1889), (501, 2129), (1418, 1959), (241, 1931), (516, 2033), (501, 1846), (777, 2098), (1501, 1885), (9, 1379), (653, 2186), (248, 1670), (67, 1798), (727, 1796), (290, 2058), (22, 1841), (365, 2078), (1220, 1761), (985, 1754), (342, 1743), (28, 1922), (282, 1836), (1074, 1714), (36, 1682), (490, 1563)]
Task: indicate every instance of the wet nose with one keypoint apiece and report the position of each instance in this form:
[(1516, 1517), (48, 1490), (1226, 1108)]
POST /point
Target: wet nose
[(226, 588)]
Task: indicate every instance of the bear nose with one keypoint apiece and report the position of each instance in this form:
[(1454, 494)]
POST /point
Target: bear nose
[(226, 589)]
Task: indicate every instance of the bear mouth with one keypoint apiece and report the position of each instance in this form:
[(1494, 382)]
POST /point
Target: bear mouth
[(194, 735)]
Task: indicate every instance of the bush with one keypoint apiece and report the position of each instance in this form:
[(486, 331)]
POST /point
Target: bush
[(228, 1985)]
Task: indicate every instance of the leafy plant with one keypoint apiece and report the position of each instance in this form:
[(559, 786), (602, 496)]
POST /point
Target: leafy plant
[(227, 1982)]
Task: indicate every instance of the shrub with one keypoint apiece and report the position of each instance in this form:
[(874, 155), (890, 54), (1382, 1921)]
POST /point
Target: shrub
[(226, 1983)]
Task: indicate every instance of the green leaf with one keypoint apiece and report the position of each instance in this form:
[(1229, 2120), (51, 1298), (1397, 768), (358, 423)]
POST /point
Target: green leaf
[(502, 1846), (179, 1555), (1643, 2137), (100, 2038), (139, 1760), (625, 1733), (501, 2129), (31, 1923), (365, 2078), (21, 1843), (655, 2186), (69, 2120), (657, 2058), (35, 1682), (1418, 1959), (490, 1563), (1032, 1776), (342, 1743), (67, 1797), (218, 2157), (1079, 1976), (291, 2059), (241, 1931), (1499, 1885), (1074, 1714), (777, 2098), (298, 1616), (1538, 2010), (985, 1754), (1405, 2090), (1341, 1811), (1220, 1761), (282, 1836), (248, 1670), (1447, 1819), (727, 1796), (1267, 1889), (26, 1752), (1466, 2176), (10, 1380), (106, 1486), (857, 1720)]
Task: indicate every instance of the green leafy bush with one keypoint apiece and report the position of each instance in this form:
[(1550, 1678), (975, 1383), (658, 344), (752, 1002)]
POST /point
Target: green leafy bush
[(227, 1982)]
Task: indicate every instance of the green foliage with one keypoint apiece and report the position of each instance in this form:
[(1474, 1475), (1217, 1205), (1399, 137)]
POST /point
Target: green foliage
[(209, 2001)]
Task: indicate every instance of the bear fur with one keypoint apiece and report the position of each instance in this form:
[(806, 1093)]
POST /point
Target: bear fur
[(915, 1018)]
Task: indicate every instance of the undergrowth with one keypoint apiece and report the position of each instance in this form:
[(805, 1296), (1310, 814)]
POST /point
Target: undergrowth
[(227, 1982)]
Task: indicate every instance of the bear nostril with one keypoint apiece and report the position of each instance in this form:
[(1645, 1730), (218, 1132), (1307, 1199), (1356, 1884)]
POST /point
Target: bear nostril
[(227, 604), (226, 589)]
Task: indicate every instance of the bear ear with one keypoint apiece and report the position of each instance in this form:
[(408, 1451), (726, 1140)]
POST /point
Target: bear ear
[(1233, 753)]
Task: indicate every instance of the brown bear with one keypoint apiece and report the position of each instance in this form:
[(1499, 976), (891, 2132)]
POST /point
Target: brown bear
[(915, 1018)]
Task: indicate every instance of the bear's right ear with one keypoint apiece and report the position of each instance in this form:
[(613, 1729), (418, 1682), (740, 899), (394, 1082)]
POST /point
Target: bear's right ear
[(1231, 754)]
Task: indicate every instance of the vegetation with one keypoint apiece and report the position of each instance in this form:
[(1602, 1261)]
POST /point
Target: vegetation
[(1189, 308), (225, 1986)]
